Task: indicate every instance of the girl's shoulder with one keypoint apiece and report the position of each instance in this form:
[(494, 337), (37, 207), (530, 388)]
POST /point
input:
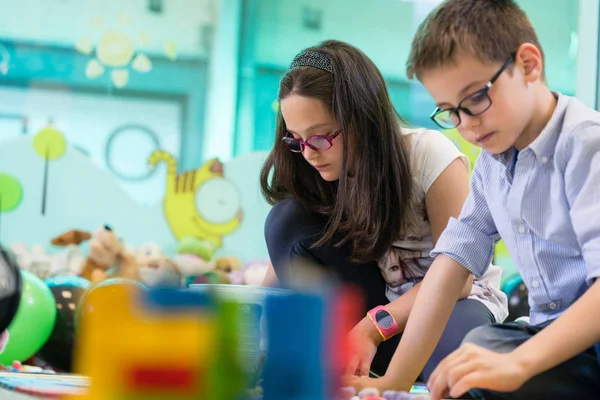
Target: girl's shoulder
[(431, 152)]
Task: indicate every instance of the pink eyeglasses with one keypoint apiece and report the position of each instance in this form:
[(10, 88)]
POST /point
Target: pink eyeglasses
[(316, 142)]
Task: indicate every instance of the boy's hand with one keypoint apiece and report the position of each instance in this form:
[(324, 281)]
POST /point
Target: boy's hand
[(471, 367), (364, 339)]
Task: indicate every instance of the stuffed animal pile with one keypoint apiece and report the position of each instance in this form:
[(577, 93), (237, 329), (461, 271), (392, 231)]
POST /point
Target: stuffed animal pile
[(109, 257)]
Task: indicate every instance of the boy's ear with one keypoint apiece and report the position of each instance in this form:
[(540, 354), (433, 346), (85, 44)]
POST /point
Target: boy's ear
[(529, 60)]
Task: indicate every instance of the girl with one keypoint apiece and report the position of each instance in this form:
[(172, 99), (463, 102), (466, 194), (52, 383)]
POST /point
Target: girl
[(365, 199)]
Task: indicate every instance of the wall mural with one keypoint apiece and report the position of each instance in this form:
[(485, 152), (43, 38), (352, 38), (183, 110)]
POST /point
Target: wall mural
[(117, 50), (200, 203)]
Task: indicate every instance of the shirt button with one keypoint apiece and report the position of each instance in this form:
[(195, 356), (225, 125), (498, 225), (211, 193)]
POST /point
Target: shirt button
[(544, 160), (553, 306), (535, 284), (521, 229)]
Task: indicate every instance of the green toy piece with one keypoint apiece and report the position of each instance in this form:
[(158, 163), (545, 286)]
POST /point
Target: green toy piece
[(227, 379)]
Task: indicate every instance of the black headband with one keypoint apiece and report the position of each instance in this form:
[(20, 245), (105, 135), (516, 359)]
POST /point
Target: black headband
[(315, 59)]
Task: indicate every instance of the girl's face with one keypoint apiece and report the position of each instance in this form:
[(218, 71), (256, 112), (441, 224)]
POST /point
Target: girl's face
[(306, 117)]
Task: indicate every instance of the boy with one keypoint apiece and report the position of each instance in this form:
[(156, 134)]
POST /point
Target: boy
[(536, 185)]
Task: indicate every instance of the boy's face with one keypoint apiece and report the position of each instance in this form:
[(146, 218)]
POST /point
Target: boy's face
[(499, 126)]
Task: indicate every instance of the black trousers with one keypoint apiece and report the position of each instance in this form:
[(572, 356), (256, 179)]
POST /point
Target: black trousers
[(290, 231)]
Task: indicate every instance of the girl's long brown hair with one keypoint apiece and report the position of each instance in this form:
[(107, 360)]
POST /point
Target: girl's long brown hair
[(370, 202)]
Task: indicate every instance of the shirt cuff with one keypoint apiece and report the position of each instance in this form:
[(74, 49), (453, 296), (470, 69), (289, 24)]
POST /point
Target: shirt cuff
[(466, 245)]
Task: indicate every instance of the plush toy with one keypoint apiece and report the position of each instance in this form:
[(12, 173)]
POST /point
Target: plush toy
[(227, 264), (106, 251), (155, 268), (35, 260), (255, 272), (252, 273), (195, 261), (74, 236), (70, 260)]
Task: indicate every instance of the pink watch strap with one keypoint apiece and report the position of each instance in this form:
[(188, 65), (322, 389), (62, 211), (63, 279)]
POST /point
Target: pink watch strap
[(383, 321)]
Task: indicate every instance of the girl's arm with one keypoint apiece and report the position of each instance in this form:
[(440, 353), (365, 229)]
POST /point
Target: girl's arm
[(443, 200)]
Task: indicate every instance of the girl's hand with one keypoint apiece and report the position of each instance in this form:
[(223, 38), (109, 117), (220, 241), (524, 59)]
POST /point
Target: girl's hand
[(364, 340)]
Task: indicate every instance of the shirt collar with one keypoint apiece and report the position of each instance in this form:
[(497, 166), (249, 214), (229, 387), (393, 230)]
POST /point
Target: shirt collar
[(544, 145)]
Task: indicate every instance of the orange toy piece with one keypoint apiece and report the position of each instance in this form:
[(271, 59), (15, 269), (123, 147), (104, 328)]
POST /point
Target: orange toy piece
[(106, 252)]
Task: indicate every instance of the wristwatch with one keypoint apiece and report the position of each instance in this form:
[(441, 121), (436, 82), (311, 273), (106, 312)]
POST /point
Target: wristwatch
[(384, 322)]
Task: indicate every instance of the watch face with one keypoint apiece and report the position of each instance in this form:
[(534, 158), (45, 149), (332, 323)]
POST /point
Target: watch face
[(10, 288), (384, 319)]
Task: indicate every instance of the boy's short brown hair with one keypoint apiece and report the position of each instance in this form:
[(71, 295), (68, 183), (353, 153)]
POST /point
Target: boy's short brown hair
[(489, 29)]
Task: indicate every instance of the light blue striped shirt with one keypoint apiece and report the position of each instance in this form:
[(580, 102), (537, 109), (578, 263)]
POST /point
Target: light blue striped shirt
[(545, 206)]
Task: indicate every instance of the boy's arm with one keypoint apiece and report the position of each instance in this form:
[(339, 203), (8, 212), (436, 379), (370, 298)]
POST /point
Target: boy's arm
[(430, 313), (574, 331), (465, 247), (444, 200)]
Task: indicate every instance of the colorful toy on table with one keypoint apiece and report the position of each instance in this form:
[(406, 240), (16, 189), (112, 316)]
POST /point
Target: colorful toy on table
[(171, 343), (183, 344), (306, 355), (18, 366), (107, 252), (349, 393)]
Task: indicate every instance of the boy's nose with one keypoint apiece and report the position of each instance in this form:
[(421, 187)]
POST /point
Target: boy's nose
[(469, 122)]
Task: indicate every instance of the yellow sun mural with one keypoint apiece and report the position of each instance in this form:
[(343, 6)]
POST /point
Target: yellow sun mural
[(116, 50)]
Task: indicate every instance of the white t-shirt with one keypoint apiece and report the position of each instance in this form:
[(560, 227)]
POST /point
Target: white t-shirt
[(409, 259)]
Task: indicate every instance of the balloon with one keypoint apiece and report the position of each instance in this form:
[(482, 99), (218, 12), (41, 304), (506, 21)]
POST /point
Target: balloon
[(67, 292), (33, 323)]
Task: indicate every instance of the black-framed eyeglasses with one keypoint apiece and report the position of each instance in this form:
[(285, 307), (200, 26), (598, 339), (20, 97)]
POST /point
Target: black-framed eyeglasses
[(474, 104), (316, 142)]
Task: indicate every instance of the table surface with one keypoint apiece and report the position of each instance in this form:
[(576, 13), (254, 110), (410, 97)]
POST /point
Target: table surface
[(10, 395)]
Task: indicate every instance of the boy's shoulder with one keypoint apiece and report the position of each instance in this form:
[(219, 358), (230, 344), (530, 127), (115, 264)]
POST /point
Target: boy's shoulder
[(580, 128), (573, 126)]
